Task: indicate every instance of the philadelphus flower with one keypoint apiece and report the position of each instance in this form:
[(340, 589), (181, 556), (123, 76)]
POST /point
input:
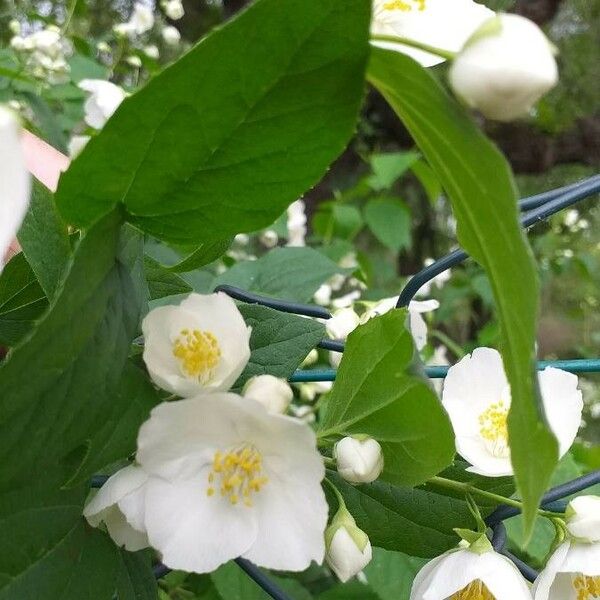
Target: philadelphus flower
[(217, 478), (171, 35), (273, 393), (15, 183), (296, 224), (142, 19), (445, 24), (76, 145), (349, 549), (416, 308), (573, 571), (173, 9), (474, 573), (505, 68), (201, 345), (477, 397), (342, 324), (105, 98), (359, 459)]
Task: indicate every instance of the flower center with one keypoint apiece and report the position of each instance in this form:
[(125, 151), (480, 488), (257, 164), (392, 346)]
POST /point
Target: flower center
[(405, 5), (198, 353), (238, 473), (493, 428), (476, 590), (587, 588)]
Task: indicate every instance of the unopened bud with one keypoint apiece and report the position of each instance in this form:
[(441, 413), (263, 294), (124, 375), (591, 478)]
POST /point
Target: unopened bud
[(273, 393), (359, 460)]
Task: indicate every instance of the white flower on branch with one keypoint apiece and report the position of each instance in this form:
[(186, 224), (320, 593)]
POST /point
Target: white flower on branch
[(505, 68), (342, 324), (173, 9), (477, 397), (105, 97), (273, 393), (171, 35), (359, 459), (224, 479), (445, 24), (296, 224), (15, 182), (201, 345)]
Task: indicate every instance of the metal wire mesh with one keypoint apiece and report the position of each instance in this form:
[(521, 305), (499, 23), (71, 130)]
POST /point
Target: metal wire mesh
[(534, 210)]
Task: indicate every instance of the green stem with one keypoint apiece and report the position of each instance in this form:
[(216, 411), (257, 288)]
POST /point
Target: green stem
[(448, 342), (447, 54), (70, 14), (330, 462), (338, 495)]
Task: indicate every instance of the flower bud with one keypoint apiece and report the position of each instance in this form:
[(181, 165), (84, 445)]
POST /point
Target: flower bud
[(171, 35), (504, 68), (583, 518), (342, 324), (269, 238), (273, 393), (347, 548), (173, 9), (359, 460)]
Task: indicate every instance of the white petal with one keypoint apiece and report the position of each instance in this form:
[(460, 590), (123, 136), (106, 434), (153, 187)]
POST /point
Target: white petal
[(421, 581), (105, 98), (418, 328), (584, 523), (582, 558), (423, 306), (473, 450), (122, 533), (193, 532), (544, 581), (14, 181), (345, 557)]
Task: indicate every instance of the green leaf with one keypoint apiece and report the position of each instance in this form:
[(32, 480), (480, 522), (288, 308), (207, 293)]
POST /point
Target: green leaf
[(429, 180), (376, 393), (353, 590), (45, 240), (47, 120), (203, 255), (228, 136), (389, 220), (480, 186), (388, 168), (59, 386), (136, 580), (335, 220), (279, 341), (287, 273), (22, 300), (161, 282)]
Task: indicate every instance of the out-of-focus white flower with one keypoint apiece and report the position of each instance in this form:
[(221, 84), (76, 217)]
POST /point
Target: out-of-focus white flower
[(304, 413), (15, 182), (14, 26), (335, 359), (444, 24), (346, 300), (583, 518), (310, 391), (416, 308), (171, 35), (104, 47), (477, 398), (342, 324), (296, 224), (142, 18), (439, 359), (476, 573), (134, 61), (571, 217), (152, 51), (348, 548), (202, 345), (123, 492), (438, 281), (359, 459), (273, 393), (323, 295), (122, 30), (505, 68), (105, 98), (228, 479), (242, 239), (311, 358), (76, 144), (173, 9), (269, 238)]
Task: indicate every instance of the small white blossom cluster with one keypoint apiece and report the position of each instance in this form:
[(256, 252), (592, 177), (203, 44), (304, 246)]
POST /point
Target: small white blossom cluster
[(173, 9), (43, 52)]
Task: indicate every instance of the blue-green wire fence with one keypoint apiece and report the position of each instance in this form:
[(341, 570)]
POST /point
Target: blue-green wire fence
[(534, 210)]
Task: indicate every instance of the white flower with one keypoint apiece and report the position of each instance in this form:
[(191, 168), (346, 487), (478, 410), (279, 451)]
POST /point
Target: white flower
[(76, 144), (122, 30), (505, 68), (103, 47), (171, 35), (346, 300), (123, 492), (152, 52), (445, 24), (134, 61), (304, 413), (273, 393), (296, 224), (173, 9), (477, 397), (309, 391), (142, 19), (342, 324), (335, 359), (200, 345), (311, 358), (349, 549), (15, 183), (14, 26), (322, 296), (228, 479), (416, 308), (468, 574), (359, 460), (583, 518), (269, 238), (105, 98)]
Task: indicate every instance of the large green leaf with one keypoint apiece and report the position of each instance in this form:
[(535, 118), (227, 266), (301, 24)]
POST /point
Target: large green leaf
[(223, 140), (389, 220), (136, 580), (162, 283), (391, 574), (480, 186), (375, 393), (287, 273), (279, 341)]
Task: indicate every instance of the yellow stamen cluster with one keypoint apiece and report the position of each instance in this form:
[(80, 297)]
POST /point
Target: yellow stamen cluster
[(587, 588), (405, 5), (198, 352), (493, 425), (476, 590), (239, 473)]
